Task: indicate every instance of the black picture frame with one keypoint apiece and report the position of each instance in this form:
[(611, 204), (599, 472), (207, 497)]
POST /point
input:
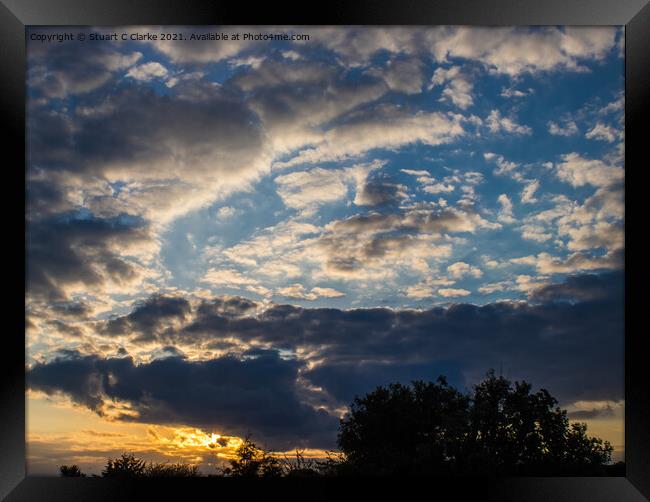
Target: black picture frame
[(15, 15)]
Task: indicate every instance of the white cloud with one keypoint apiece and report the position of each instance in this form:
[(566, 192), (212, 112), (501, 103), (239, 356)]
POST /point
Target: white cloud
[(458, 89), (453, 292), (498, 123), (504, 167), (535, 233), (298, 292), (505, 214), (569, 129), (528, 193), (495, 287), (147, 71), (579, 171), (252, 61), (438, 188), (227, 277), (461, 269), (327, 292), (602, 132), (545, 263), (388, 127), (226, 212), (515, 93), (510, 51), (316, 186)]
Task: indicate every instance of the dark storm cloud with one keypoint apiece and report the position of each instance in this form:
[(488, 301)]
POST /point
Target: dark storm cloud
[(71, 309), (575, 349), (67, 250), (58, 70), (125, 128), (257, 394), (44, 198), (346, 380), (582, 287), (149, 317)]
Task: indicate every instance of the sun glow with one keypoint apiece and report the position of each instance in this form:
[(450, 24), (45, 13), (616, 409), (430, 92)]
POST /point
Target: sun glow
[(188, 438)]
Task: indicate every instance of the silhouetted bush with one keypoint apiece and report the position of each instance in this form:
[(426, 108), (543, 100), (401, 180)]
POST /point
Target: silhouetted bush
[(130, 466), (164, 470), (71, 471)]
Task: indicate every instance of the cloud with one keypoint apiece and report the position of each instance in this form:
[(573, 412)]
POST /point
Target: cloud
[(569, 129), (296, 291), (536, 233), (513, 51), (203, 49), (504, 167), (578, 171), (73, 68), (582, 314), (458, 89), (402, 75), (147, 71), (327, 292), (302, 189), (306, 190), (461, 269), (162, 168), (258, 394), (376, 245), (150, 318), (574, 262), (385, 127), (427, 288), (505, 214), (528, 193), (497, 123), (602, 132), (227, 277), (70, 253), (586, 287), (453, 292), (509, 51)]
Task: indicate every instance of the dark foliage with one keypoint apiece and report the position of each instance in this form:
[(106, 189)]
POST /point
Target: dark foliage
[(500, 428), (129, 466), (71, 471), (253, 461)]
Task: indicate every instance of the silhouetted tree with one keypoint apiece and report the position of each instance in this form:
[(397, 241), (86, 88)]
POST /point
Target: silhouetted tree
[(253, 461), (431, 428), (71, 471), (125, 466)]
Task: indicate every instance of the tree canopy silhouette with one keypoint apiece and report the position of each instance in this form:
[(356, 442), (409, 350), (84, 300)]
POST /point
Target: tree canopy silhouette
[(71, 471), (499, 428)]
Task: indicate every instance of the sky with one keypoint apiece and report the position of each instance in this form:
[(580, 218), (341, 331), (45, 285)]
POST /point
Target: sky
[(231, 237)]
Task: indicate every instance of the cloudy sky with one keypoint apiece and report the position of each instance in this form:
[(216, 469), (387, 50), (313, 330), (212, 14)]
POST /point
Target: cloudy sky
[(231, 237)]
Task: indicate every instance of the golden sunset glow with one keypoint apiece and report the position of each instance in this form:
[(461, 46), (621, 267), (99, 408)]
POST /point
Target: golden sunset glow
[(61, 433)]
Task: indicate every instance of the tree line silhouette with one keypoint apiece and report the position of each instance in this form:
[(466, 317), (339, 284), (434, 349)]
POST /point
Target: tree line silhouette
[(500, 428)]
